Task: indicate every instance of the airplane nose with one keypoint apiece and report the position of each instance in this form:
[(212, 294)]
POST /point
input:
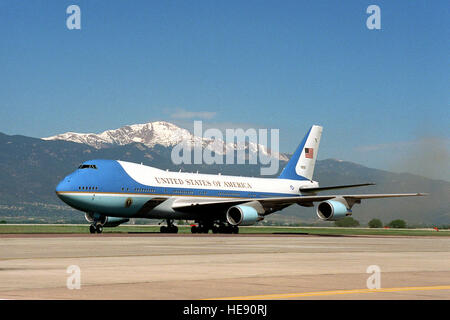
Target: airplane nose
[(64, 184), (61, 186)]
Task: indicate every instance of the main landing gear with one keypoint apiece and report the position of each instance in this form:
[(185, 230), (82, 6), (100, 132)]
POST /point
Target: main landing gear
[(96, 228), (215, 228), (202, 227), (170, 228)]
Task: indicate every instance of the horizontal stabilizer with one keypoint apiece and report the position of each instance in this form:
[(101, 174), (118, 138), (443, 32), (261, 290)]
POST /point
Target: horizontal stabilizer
[(335, 187)]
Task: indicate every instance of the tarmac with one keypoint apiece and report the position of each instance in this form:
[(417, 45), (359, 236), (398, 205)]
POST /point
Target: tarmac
[(176, 266)]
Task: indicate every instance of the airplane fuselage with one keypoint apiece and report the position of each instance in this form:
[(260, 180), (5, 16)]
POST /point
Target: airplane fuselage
[(123, 189)]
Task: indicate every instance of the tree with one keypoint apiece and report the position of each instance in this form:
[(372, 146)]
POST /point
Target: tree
[(375, 223), (397, 224), (346, 222)]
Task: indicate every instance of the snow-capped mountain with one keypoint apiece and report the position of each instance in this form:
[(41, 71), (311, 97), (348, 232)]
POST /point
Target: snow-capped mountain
[(158, 133), (149, 134)]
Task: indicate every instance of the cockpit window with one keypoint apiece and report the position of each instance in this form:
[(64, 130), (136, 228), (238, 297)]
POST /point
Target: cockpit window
[(87, 166)]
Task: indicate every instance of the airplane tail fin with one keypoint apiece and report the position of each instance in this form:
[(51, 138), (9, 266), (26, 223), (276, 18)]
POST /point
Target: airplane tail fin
[(301, 165)]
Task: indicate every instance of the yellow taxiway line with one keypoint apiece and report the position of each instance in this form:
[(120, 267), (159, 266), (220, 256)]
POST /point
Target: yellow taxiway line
[(331, 293)]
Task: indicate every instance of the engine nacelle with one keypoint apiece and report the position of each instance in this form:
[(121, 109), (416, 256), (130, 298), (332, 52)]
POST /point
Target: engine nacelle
[(332, 210), (243, 216), (105, 221)]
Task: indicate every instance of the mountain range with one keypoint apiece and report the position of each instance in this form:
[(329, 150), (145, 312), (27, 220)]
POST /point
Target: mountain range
[(30, 168), (160, 133)]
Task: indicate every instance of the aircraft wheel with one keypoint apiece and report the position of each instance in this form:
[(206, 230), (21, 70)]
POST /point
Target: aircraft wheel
[(204, 230), (92, 228), (174, 229), (194, 229), (235, 229), (215, 229), (163, 229), (99, 229)]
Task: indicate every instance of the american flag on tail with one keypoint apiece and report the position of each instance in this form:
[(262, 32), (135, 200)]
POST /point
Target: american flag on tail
[(309, 153)]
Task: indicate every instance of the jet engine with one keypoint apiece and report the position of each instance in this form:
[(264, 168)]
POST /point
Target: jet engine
[(332, 210), (104, 221), (242, 215)]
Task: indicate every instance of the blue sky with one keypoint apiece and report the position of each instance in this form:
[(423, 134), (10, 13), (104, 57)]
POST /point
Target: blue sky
[(381, 95)]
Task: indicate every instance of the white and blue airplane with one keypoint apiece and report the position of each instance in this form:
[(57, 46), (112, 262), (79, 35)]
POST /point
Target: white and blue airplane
[(111, 192)]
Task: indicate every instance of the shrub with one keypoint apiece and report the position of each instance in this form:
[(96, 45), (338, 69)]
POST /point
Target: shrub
[(346, 222), (375, 223), (397, 224)]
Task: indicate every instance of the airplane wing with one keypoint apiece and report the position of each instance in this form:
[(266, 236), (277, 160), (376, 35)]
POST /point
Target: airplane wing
[(273, 204)]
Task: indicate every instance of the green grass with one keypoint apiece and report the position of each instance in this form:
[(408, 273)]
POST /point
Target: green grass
[(68, 229), (42, 228)]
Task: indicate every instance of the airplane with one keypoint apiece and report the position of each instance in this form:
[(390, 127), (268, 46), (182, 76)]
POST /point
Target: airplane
[(111, 192)]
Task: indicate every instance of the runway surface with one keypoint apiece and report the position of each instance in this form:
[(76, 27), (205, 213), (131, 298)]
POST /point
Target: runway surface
[(157, 266)]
